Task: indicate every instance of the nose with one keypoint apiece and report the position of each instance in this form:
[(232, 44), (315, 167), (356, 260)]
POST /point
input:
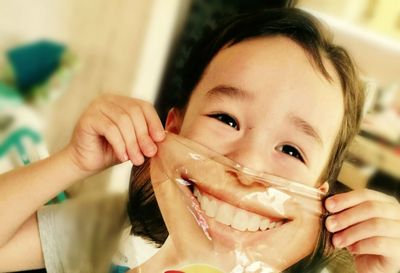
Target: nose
[(250, 152)]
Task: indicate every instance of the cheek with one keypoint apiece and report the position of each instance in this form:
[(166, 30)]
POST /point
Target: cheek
[(307, 229), (289, 168), (208, 132), (310, 232)]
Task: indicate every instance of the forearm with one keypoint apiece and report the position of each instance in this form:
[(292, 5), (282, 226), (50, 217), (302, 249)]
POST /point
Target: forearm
[(25, 190)]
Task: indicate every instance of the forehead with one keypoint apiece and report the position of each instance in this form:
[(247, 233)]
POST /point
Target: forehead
[(281, 78), (266, 57)]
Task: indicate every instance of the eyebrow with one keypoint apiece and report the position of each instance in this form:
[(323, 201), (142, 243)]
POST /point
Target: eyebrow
[(306, 128), (221, 91)]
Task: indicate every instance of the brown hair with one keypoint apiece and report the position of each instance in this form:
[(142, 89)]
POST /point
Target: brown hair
[(303, 29)]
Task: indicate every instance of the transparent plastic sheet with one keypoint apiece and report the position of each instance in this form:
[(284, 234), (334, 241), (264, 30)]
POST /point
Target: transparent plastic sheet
[(225, 217)]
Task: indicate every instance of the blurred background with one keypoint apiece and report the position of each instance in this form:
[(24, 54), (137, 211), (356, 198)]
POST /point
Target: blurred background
[(57, 56)]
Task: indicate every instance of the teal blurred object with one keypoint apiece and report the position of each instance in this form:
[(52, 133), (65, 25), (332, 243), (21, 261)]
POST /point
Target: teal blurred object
[(119, 269), (14, 140), (34, 63), (11, 136), (9, 97)]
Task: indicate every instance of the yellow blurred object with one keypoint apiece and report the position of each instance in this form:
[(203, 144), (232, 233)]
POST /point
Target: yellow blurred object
[(376, 154), (355, 177), (385, 17), (381, 16), (198, 268)]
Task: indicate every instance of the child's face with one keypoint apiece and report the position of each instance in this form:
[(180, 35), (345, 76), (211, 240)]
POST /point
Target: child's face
[(263, 104), (287, 102)]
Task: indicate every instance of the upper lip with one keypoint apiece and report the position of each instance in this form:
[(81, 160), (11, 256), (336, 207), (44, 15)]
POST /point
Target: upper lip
[(244, 199)]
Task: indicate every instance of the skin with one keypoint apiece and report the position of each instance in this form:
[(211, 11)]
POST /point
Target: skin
[(115, 129), (259, 136)]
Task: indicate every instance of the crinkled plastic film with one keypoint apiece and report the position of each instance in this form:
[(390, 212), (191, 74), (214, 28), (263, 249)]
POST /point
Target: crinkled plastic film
[(225, 217)]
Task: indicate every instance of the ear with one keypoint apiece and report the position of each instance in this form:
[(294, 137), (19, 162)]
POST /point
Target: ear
[(174, 121), (324, 187)]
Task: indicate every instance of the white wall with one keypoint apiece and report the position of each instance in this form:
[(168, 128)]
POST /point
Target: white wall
[(112, 42)]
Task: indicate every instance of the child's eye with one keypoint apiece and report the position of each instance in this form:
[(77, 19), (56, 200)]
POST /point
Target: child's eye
[(292, 151), (227, 119)]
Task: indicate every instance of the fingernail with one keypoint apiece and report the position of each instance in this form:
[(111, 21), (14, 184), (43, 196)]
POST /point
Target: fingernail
[(152, 149), (160, 135), (330, 204), (139, 160), (125, 157), (337, 241), (332, 223)]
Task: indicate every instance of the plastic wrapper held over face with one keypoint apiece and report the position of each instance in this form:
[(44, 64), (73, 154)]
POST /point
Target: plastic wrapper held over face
[(229, 217)]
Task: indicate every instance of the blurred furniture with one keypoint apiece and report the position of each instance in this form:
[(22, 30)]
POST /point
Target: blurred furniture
[(378, 58), (382, 156)]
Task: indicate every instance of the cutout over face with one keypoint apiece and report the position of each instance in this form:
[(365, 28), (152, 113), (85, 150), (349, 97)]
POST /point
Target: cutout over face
[(262, 104)]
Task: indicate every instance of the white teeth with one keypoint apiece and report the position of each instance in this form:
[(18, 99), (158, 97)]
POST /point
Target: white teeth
[(240, 221), (254, 222), (229, 215), (272, 225), (225, 214), (204, 202), (264, 224), (212, 208)]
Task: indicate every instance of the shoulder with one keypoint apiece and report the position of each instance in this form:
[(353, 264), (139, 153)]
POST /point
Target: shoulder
[(80, 235)]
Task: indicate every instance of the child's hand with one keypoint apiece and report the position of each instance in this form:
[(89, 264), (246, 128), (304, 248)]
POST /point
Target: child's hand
[(115, 129), (368, 225)]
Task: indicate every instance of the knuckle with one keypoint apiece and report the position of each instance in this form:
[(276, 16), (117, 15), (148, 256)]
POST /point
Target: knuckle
[(377, 224), (371, 207), (367, 192), (378, 244), (121, 117), (134, 108), (146, 105), (109, 127)]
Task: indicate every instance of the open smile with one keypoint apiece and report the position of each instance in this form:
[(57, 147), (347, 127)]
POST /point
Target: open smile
[(235, 217), (221, 212)]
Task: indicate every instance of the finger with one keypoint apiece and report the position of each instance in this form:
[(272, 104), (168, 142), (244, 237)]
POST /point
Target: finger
[(376, 264), (105, 127), (155, 126), (146, 144), (346, 200), (385, 246), (124, 123), (362, 212), (375, 227)]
